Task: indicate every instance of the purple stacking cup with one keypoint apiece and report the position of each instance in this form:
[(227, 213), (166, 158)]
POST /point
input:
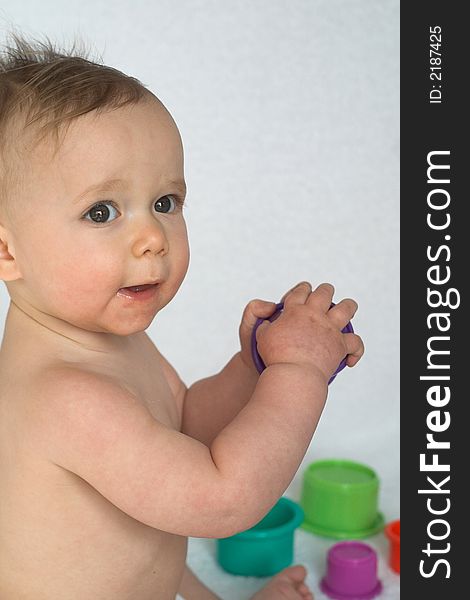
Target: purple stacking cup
[(351, 572)]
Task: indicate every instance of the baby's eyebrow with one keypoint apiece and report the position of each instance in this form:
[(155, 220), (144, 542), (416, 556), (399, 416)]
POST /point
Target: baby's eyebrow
[(112, 185)]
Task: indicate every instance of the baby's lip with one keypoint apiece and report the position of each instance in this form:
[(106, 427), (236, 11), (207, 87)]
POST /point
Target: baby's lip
[(148, 283)]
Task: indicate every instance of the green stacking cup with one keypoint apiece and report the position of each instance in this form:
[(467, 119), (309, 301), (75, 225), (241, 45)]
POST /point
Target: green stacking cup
[(339, 498), (266, 548)]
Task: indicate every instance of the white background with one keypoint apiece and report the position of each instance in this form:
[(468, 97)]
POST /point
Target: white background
[(289, 114)]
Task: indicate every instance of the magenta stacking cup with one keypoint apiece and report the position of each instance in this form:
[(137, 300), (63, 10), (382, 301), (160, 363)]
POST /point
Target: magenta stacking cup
[(351, 572)]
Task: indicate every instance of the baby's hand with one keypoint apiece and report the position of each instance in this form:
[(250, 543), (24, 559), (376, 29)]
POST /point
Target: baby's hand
[(308, 332)]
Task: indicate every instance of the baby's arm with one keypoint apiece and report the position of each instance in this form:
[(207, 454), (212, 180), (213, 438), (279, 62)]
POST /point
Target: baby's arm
[(213, 402), (91, 426), (294, 387)]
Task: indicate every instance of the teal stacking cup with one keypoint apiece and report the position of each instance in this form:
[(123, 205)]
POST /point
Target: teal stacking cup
[(339, 499), (266, 548)]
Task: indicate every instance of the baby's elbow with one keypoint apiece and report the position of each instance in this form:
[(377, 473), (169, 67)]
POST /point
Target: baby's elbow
[(226, 525), (238, 521), (237, 514)]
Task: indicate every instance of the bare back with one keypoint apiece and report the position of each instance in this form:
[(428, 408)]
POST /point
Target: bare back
[(60, 539)]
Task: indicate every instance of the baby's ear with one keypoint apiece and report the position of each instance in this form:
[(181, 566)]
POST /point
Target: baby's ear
[(9, 270)]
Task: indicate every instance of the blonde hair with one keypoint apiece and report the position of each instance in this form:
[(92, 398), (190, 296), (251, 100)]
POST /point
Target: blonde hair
[(42, 90)]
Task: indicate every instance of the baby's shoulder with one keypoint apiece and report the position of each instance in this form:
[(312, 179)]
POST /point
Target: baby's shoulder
[(62, 383), (40, 410), (73, 406), (60, 392)]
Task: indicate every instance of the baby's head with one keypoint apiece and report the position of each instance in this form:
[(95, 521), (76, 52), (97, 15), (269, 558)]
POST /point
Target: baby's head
[(67, 124)]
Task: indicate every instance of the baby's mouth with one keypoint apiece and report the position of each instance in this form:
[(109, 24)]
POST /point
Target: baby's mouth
[(142, 291), (140, 288)]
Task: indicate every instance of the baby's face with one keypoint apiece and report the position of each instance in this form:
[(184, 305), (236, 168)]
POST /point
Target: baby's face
[(75, 250)]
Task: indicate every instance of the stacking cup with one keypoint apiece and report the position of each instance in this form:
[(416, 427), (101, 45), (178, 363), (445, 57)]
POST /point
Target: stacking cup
[(392, 532), (266, 548), (339, 498), (351, 572)]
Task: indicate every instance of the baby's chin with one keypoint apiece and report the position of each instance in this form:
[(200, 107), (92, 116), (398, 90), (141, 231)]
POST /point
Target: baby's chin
[(125, 329)]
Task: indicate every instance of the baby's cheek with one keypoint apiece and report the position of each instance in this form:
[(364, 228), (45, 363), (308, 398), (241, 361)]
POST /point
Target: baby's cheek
[(179, 252), (83, 279)]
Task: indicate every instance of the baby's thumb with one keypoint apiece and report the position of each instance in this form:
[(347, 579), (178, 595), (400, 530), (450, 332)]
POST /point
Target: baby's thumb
[(257, 309)]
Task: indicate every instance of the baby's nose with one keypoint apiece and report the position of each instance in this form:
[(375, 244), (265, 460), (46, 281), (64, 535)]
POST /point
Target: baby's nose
[(150, 238)]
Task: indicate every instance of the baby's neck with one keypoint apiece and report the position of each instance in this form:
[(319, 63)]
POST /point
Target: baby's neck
[(24, 320)]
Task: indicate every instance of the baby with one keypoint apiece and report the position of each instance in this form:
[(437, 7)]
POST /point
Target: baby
[(107, 461)]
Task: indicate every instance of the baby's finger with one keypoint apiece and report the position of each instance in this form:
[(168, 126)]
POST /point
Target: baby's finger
[(321, 297), (354, 348), (292, 289), (298, 294), (256, 309), (343, 312)]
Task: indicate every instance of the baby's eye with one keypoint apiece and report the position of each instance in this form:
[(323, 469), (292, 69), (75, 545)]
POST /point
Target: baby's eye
[(99, 213), (167, 204)]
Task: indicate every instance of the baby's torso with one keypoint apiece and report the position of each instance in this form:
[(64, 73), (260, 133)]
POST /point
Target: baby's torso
[(59, 538)]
